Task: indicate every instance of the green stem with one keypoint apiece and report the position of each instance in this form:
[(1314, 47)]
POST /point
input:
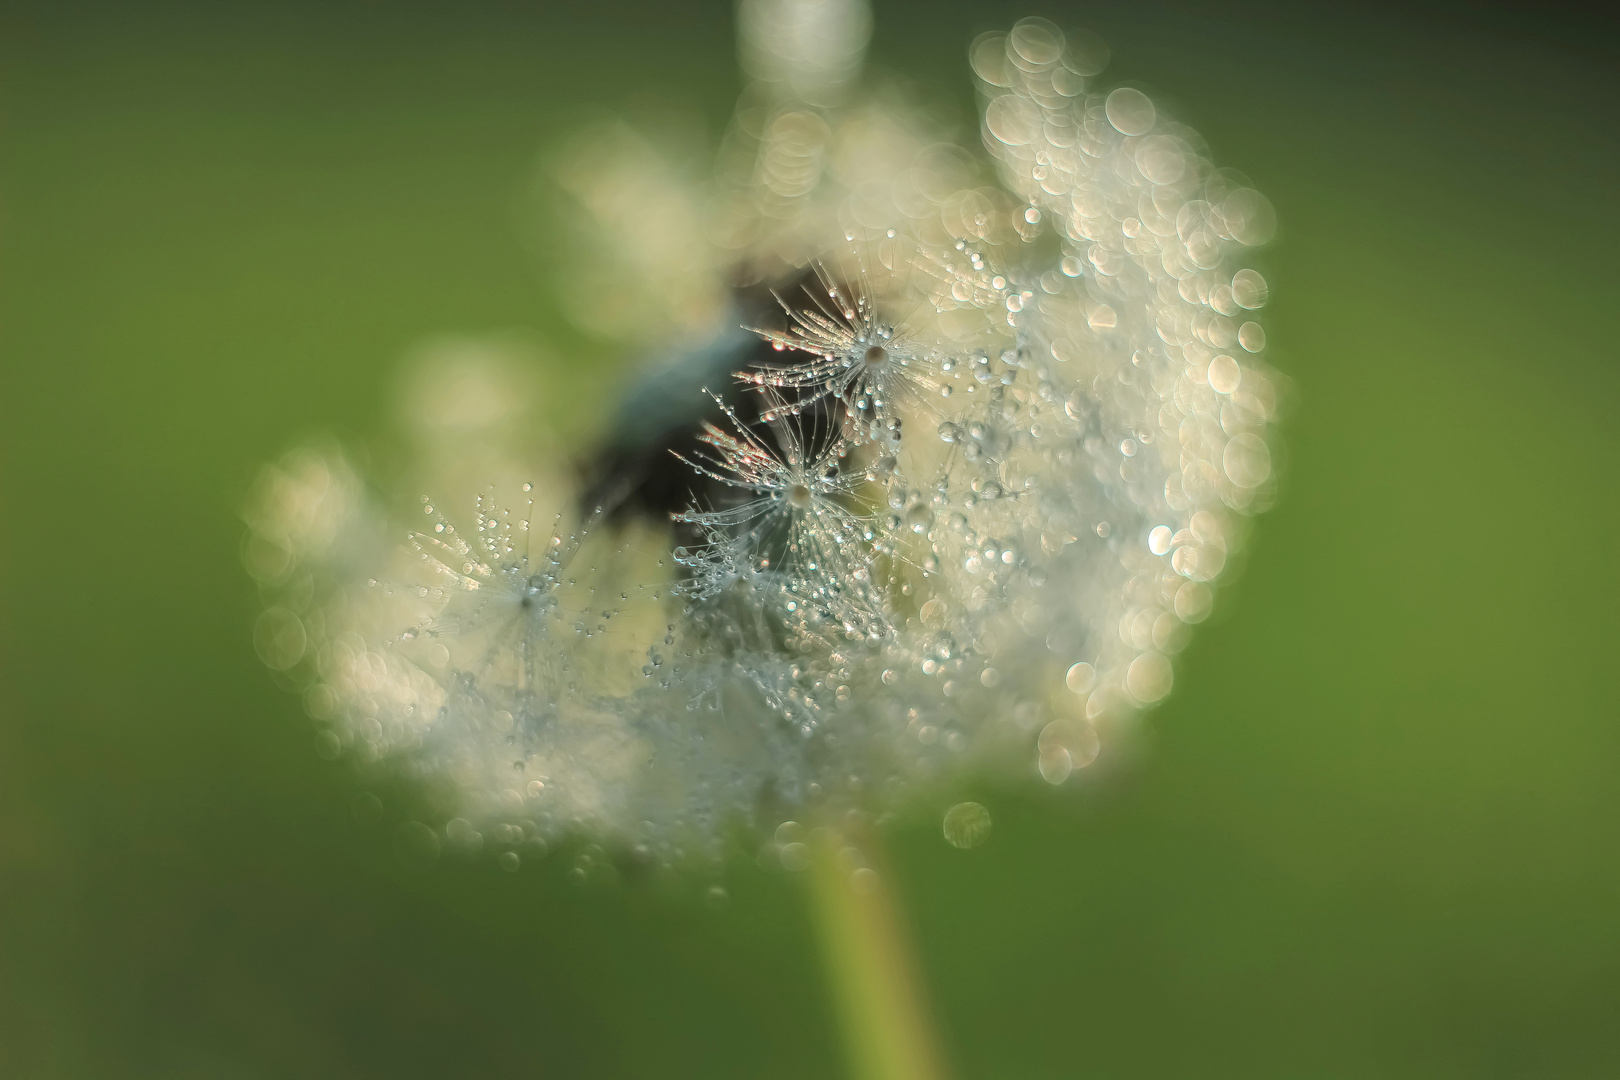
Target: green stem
[(876, 993)]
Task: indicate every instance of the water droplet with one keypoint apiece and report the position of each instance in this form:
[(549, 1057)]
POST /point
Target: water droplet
[(1224, 374), (1247, 460), (461, 833), (1249, 289), (1130, 111), (279, 638), (794, 856), (966, 825), (1252, 336), (1193, 602), (988, 56), (1149, 678), (1249, 217), (1035, 42), (1087, 55)]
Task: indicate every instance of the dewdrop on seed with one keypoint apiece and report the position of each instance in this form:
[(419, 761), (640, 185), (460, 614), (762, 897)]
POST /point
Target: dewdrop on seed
[(962, 517)]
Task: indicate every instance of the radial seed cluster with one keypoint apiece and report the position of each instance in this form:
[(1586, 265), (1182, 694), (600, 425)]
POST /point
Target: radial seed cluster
[(1002, 449)]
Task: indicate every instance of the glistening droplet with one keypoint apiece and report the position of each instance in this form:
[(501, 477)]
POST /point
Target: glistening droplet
[(967, 825)]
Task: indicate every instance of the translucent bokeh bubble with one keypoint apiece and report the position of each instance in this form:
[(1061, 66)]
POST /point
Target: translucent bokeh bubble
[(1130, 111), (967, 825)]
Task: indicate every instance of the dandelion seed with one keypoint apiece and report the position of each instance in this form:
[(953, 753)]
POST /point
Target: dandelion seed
[(800, 517), (501, 608), (880, 372)]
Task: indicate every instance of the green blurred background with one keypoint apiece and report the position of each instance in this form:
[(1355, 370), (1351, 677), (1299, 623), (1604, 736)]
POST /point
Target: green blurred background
[(1375, 830)]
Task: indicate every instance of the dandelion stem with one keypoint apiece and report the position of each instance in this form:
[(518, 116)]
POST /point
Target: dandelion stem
[(888, 1032)]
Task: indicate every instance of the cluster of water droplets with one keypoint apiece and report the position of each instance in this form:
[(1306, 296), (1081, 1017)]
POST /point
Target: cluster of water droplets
[(1008, 447)]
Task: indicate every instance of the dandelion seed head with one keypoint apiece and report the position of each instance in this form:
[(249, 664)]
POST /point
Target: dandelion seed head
[(968, 495)]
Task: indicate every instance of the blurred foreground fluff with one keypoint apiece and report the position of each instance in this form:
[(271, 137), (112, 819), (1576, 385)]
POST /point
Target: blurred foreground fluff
[(974, 479)]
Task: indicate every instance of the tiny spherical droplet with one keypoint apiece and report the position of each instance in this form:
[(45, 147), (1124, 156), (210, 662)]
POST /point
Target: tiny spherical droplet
[(1224, 374), (1054, 764), (1193, 602), (1087, 54), (280, 638), (1130, 111), (967, 825), (1247, 460), (1149, 677), (1081, 677), (1249, 289), (795, 857), (509, 861)]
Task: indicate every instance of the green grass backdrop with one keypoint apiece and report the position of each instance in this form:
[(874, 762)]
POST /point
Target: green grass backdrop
[(1376, 831)]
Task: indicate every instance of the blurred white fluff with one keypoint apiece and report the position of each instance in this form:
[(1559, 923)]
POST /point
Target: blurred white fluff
[(1059, 419)]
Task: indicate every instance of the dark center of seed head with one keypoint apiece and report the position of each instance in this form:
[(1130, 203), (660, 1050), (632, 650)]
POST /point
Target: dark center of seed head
[(876, 356), (799, 496)]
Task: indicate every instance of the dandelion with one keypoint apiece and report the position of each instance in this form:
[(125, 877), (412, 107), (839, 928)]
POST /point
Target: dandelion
[(991, 490), (1051, 460)]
